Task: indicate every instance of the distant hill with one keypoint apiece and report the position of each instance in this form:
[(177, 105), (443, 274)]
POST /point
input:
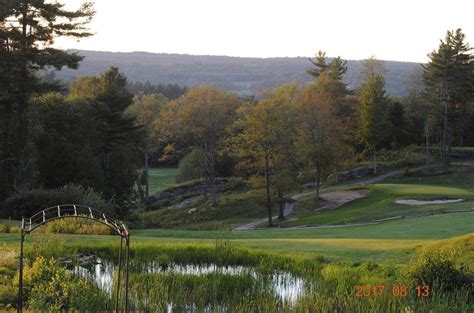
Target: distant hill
[(244, 76)]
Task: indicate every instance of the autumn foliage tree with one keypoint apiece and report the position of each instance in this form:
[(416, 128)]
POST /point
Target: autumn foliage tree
[(146, 109), (199, 119), (320, 131), (263, 135), (322, 112)]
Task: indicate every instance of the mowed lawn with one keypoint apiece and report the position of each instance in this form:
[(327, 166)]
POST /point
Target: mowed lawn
[(424, 228), (394, 242), (381, 201), (161, 178)]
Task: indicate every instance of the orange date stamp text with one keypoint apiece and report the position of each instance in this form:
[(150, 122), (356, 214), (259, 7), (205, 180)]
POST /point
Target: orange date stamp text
[(394, 291)]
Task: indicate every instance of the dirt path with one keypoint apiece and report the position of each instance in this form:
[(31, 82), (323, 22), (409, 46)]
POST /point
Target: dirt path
[(253, 225), (336, 198), (332, 200)]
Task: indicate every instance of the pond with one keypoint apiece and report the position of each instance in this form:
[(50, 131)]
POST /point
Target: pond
[(243, 281)]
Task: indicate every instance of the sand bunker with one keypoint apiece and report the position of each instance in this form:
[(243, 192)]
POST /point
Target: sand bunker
[(333, 200), (425, 202)]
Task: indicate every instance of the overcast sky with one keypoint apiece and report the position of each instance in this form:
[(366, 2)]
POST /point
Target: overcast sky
[(403, 30)]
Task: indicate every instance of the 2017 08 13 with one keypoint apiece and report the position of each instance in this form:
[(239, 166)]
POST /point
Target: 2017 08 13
[(394, 291)]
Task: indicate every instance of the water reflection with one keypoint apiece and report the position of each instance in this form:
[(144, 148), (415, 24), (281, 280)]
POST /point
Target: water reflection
[(284, 285)]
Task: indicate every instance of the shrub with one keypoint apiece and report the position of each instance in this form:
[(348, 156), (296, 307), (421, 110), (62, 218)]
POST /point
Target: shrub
[(438, 269), (48, 286), (341, 278), (8, 228), (306, 176), (408, 156), (75, 226), (190, 167), (26, 203)]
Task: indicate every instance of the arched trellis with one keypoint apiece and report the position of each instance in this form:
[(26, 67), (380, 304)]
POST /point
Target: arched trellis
[(76, 211)]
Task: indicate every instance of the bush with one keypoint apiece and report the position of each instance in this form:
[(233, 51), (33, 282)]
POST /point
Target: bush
[(438, 269), (75, 226), (306, 176), (7, 227), (26, 203), (408, 156), (190, 167), (48, 286)]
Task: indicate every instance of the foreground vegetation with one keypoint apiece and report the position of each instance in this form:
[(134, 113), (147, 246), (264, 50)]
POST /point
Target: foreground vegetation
[(335, 266)]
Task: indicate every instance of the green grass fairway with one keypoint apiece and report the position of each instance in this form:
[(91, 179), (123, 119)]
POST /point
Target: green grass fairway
[(394, 242), (161, 178), (430, 227), (381, 202), (424, 190)]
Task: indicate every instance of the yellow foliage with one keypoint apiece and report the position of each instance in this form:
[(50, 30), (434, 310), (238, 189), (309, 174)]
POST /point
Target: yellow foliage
[(75, 226)]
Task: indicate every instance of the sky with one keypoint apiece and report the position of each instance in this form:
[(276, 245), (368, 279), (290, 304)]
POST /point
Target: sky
[(400, 30)]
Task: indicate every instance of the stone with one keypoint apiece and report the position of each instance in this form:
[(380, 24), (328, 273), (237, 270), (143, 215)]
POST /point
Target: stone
[(183, 190), (355, 173)]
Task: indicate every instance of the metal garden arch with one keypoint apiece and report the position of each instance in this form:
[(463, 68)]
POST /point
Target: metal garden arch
[(76, 211)]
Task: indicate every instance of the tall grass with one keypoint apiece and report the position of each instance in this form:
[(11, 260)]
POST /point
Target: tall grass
[(329, 287)]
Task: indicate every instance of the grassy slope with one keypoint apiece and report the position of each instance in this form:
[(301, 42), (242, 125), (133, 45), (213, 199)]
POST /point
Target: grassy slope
[(233, 210), (161, 178), (381, 202), (431, 227), (395, 241)]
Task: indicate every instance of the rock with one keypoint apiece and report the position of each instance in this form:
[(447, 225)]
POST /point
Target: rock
[(355, 173), (462, 154), (183, 190), (187, 202), (191, 211)]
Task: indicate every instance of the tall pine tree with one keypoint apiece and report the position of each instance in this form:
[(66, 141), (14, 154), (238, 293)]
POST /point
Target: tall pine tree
[(27, 31), (448, 78), (373, 105)]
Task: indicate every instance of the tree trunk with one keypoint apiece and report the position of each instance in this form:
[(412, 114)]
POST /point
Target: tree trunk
[(318, 180), (140, 190), (319, 163), (450, 141), (210, 163), (267, 189), (445, 138), (7, 167), (213, 192), (147, 183), (22, 131), (281, 212), (375, 161), (427, 144)]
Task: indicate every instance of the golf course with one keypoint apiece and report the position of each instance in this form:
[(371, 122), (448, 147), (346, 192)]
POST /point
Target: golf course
[(214, 157), (299, 265)]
